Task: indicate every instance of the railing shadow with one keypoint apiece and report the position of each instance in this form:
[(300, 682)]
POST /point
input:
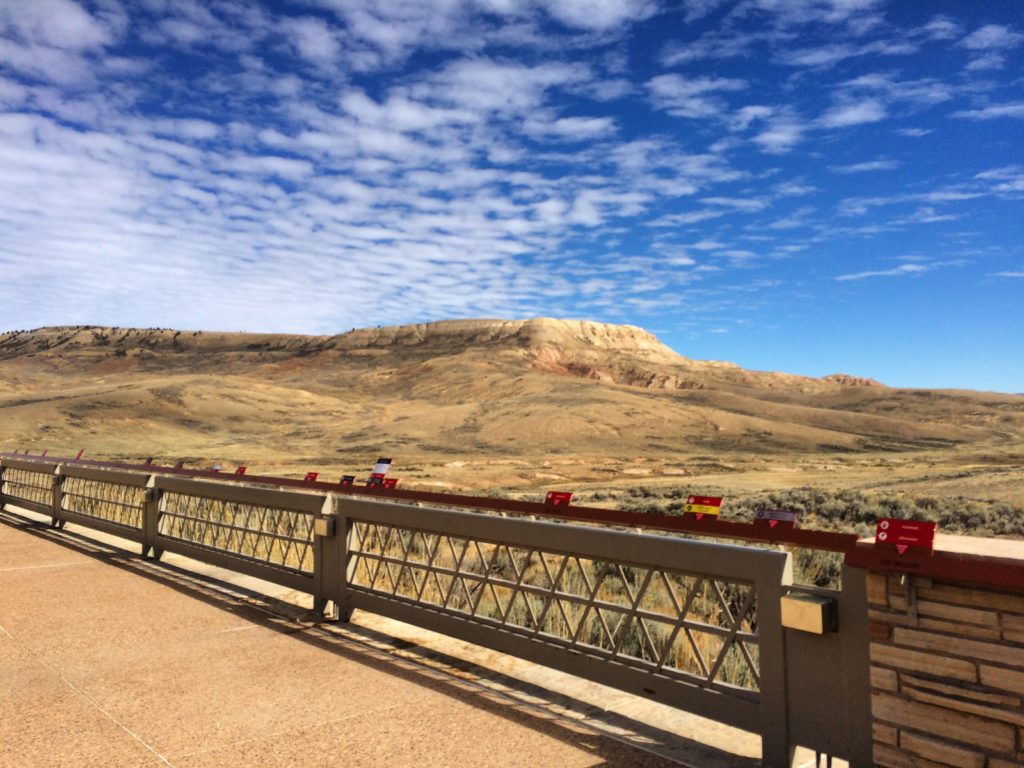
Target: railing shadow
[(552, 714)]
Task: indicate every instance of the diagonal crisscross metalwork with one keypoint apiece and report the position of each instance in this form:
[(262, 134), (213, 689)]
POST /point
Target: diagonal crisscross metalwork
[(684, 625), (281, 538), (113, 502), (28, 486)]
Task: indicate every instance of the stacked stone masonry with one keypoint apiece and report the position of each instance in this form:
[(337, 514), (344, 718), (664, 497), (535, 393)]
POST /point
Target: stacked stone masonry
[(947, 674)]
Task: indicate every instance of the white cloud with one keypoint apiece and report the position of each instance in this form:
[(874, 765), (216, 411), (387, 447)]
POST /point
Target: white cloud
[(313, 40), (698, 9), (818, 57), (749, 114), (795, 220), (920, 93), (186, 128), (739, 255), (60, 24), (900, 271), (825, 56), (690, 217), (401, 113), (856, 113), (183, 31), (747, 204), (988, 61), (44, 63), (858, 206), (716, 45), (1008, 180), (793, 189), (599, 15), (783, 133), (927, 214), (800, 12), (1009, 274), (1006, 172), (490, 86), (12, 93), (870, 165), (571, 128), (942, 28), (991, 41), (993, 112), (689, 97), (992, 36)]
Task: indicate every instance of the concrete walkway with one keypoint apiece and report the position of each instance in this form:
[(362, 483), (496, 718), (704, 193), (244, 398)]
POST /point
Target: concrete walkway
[(109, 660)]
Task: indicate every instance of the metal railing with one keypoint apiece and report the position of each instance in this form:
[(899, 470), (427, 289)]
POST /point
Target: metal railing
[(691, 624), (708, 526)]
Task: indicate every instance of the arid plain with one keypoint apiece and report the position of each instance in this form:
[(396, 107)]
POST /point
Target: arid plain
[(518, 407)]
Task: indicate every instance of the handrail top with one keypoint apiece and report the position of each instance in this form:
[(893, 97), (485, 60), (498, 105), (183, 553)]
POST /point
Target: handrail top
[(708, 526)]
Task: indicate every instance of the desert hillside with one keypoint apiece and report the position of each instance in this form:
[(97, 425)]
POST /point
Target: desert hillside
[(474, 403)]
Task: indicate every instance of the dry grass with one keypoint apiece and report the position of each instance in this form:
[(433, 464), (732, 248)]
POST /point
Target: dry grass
[(490, 406)]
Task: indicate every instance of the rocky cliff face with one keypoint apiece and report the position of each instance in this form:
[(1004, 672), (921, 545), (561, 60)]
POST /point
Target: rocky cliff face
[(536, 334), (847, 380)]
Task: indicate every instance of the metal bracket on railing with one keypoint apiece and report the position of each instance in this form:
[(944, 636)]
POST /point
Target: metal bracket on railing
[(324, 526), (816, 614)]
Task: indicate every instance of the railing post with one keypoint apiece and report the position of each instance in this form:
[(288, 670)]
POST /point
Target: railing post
[(324, 557), (151, 520), (331, 560), (854, 634), (56, 512), (777, 749)]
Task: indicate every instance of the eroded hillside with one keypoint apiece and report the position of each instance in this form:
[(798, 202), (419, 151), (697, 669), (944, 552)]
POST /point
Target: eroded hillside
[(595, 402)]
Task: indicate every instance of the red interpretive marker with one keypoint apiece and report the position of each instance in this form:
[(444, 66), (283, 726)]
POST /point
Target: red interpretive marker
[(347, 480), (558, 498), (776, 517), (703, 505), (904, 534), (390, 482), (240, 470), (45, 451), (78, 457), (311, 477)]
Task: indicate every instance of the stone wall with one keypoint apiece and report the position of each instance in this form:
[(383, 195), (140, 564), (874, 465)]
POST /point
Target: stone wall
[(947, 674)]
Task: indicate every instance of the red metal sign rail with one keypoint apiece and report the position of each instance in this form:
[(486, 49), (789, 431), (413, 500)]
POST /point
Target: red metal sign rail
[(706, 526)]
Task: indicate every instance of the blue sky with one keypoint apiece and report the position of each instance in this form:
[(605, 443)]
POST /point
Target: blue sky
[(811, 186)]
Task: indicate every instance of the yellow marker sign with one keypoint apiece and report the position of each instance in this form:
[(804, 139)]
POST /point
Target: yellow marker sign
[(703, 505)]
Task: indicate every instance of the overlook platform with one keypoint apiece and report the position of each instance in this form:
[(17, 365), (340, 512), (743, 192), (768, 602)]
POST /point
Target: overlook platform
[(109, 660)]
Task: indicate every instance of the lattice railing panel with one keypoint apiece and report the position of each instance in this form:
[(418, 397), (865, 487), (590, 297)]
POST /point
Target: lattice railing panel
[(115, 503), (281, 538), (28, 486), (691, 626)]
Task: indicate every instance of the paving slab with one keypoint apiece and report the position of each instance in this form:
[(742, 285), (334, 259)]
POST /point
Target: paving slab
[(106, 659)]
